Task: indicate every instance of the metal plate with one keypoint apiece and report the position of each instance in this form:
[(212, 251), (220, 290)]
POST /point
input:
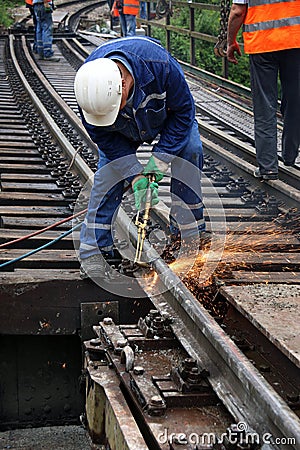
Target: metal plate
[(92, 313)]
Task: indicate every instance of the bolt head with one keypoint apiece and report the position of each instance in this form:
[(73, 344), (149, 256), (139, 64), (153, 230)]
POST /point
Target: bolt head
[(107, 321), (138, 370)]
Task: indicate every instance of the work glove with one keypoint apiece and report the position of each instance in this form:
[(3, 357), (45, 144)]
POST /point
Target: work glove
[(156, 167), (139, 186), (48, 8)]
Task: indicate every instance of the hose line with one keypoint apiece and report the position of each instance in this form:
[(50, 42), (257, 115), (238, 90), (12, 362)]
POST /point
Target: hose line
[(32, 252), (35, 233)]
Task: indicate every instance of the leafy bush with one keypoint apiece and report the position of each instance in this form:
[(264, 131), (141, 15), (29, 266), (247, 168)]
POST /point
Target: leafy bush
[(6, 7), (207, 22)]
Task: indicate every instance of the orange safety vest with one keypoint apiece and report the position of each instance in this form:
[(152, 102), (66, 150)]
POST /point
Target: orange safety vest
[(30, 2), (271, 25), (116, 7), (131, 7)]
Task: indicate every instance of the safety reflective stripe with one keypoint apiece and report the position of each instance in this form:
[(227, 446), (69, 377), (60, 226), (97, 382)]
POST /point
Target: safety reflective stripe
[(107, 249), (180, 203), (191, 226), (87, 246), (289, 21), (97, 226), (93, 247), (130, 5), (161, 96), (265, 2), (196, 206)]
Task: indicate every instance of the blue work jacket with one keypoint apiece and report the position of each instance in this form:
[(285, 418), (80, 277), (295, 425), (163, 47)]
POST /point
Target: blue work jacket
[(162, 105)]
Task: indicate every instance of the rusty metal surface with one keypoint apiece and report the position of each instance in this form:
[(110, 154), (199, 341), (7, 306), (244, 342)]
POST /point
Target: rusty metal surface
[(206, 341), (91, 312), (168, 392), (269, 308), (109, 419), (276, 367), (40, 380), (60, 298)]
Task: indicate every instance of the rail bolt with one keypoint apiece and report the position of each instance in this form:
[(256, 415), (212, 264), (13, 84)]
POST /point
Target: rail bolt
[(107, 321), (138, 370)]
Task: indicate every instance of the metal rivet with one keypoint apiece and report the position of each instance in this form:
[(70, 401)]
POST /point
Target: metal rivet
[(107, 321), (138, 370)]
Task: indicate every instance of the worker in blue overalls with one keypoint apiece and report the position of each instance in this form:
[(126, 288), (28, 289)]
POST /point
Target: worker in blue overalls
[(132, 91)]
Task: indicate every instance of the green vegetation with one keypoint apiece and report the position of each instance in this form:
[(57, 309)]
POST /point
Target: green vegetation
[(207, 22), (6, 9)]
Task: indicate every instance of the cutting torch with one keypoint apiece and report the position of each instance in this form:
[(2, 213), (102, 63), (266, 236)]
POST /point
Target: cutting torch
[(142, 222)]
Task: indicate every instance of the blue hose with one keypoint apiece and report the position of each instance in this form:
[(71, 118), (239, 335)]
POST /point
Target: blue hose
[(32, 252)]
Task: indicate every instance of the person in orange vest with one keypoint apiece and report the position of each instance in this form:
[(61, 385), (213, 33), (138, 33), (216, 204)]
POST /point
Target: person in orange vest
[(28, 4), (44, 29), (271, 34), (127, 10)]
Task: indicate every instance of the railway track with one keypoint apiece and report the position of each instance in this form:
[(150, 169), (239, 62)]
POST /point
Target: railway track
[(166, 341)]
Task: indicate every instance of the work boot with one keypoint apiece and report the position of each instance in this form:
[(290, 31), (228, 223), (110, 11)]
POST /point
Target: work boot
[(289, 163), (95, 267), (51, 58), (266, 176)]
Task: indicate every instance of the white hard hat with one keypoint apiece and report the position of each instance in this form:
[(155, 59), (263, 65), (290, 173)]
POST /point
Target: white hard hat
[(98, 91)]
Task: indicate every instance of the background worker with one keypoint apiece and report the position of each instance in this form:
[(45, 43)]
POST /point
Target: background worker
[(271, 33), (143, 10), (43, 10), (132, 91), (127, 11)]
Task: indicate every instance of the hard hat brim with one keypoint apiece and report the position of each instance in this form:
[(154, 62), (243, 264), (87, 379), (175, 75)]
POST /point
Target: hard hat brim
[(98, 91), (103, 120)]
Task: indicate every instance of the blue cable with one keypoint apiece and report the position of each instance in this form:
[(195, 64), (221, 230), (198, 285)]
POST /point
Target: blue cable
[(12, 261)]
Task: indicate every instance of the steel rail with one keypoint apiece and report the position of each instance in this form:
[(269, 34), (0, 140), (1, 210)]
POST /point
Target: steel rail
[(79, 163), (238, 384), (74, 18), (73, 118), (289, 194)]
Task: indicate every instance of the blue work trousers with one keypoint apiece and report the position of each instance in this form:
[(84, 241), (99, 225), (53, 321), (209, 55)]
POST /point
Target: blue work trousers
[(44, 31), (265, 68), (186, 214), (143, 10), (31, 9), (128, 24)]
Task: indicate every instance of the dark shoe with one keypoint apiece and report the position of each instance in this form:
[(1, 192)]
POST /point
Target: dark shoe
[(40, 57), (93, 267), (266, 176), (51, 58), (289, 164)]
